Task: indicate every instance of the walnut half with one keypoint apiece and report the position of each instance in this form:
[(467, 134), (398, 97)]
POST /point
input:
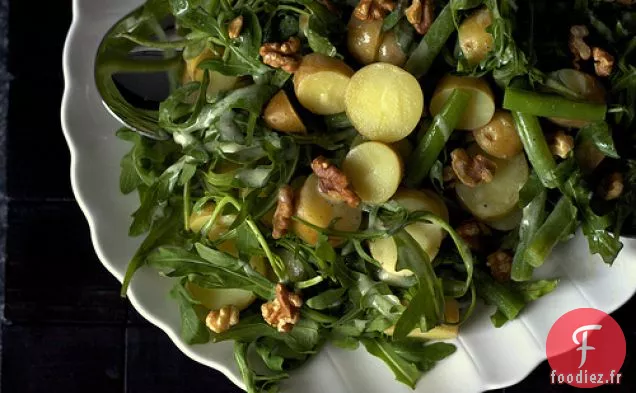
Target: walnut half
[(282, 55), (222, 319), (284, 311), (472, 171), (421, 15), (473, 233), (611, 187), (333, 182), (500, 264), (373, 9), (580, 50), (603, 62), (284, 212), (561, 144)]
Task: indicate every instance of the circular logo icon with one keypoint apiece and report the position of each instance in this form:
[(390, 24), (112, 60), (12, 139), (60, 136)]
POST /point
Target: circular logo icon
[(586, 348)]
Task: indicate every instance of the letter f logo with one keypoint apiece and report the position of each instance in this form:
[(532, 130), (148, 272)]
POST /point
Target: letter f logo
[(584, 347)]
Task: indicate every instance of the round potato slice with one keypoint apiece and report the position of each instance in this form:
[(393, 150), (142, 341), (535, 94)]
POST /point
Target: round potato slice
[(374, 170), (585, 87), (474, 40), (480, 108), (363, 39), (280, 115), (428, 236), (390, 52), (320, 84), (499, 138), (312, 207), (490, 201), (384, 102), (508, 222)]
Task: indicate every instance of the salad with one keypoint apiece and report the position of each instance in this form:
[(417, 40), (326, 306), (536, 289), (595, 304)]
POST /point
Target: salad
[(361, 173)]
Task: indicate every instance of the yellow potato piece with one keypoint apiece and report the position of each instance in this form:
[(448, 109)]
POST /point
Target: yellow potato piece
[(390, 52), (218, 81), (312, 207), (428, 236), (374, 170), (499, 138), (384, 102), (474, 41), (363, 39), (586, 86), (320, 84), (508, 222), (442, 332), (214, 299), (490, 201), (280, 115), (480, 108)]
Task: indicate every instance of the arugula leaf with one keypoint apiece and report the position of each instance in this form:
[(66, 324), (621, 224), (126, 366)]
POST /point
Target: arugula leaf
[(193, 329), (599, 134), (327, 299), (405, 371), (426, 308), (532, 290)]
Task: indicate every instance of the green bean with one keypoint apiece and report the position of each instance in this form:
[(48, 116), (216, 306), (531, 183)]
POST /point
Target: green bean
[(556, 226), (432, 144), (507, 302), (536, 148), (549, 105), (429, 47), (533, 215)]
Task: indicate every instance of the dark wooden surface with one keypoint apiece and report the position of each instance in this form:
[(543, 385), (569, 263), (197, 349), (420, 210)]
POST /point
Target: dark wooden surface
[(65, 328)]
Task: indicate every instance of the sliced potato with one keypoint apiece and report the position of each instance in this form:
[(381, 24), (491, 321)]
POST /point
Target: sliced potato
[(585, 87), (312, 207), (320, 84), (218, 81), (389, 50), (490, 201), (442, 332), (499, 138), (428, 236), (363, 39), (375, 171), (384, 102), (280, 115), (480, 108), (474, 41), (508, 222)]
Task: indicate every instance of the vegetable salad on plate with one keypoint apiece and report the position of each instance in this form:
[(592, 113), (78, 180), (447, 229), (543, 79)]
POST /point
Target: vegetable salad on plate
[(362, 173)]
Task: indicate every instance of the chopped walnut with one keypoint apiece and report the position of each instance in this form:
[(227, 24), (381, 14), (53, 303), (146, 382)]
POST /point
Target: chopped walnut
[(221, 320), (578, 47), (284, 212), (472, 171), (284, 311), (561, 144), (421, 15), (611, 187), (373, 9), (235, 27), (284, 56), (603, 62), (473, 233), (333, 182), (500, 263)]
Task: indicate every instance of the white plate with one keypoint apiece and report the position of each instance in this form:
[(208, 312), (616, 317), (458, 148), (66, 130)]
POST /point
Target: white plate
[(487, 358)]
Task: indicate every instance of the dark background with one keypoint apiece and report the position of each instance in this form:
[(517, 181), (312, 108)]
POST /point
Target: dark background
[(65, 328)]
